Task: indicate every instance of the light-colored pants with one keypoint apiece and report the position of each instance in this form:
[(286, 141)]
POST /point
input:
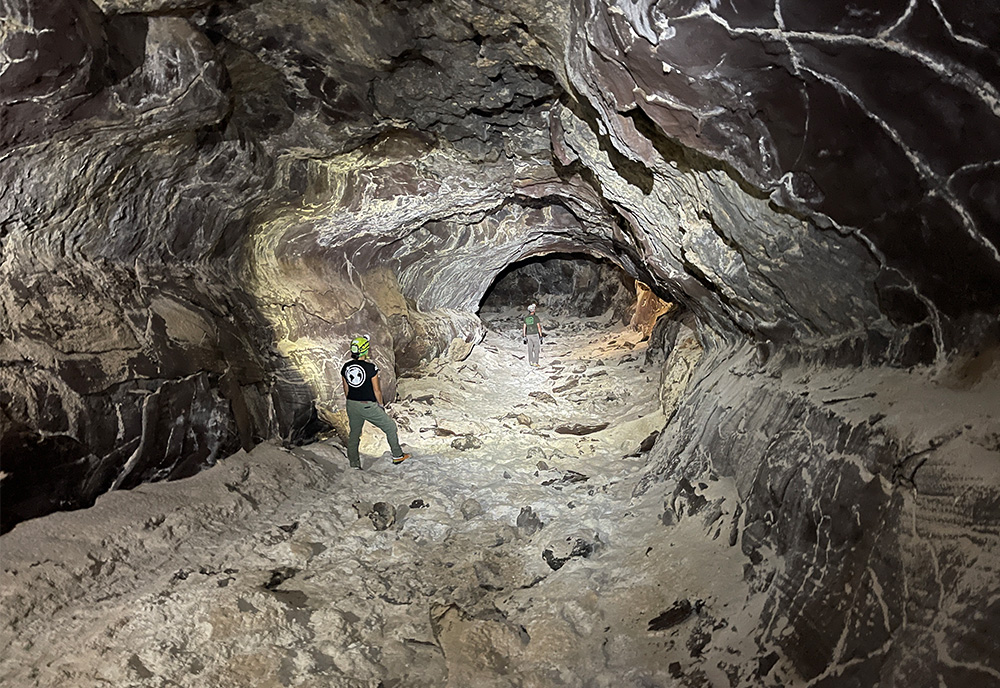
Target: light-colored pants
[(360, 411), (534, 348)]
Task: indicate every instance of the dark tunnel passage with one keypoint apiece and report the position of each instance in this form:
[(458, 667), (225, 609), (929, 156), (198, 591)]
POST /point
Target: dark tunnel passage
[(564, 284), (581, 287)]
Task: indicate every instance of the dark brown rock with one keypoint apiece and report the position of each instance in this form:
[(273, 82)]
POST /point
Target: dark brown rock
[(382, 515), (467, 443), (678, 613), (528, 522), (579, 428)]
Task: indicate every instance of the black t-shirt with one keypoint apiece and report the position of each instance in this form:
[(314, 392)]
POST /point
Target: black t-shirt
[(359, 374)]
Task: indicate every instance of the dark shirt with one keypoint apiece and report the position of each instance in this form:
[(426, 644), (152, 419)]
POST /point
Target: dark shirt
[(359, 376)]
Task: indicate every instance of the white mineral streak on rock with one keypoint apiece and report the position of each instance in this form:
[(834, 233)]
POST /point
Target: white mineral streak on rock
[(666, 99), (675, 220), (958, 75), (935, 183), (911, 5), (639, 17), (141, 444), (951, 30)]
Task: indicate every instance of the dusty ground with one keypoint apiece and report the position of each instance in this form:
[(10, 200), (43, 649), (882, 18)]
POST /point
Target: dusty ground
[(508, 551)]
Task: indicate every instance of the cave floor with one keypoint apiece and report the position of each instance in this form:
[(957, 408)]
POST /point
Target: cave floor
[(512, 551)]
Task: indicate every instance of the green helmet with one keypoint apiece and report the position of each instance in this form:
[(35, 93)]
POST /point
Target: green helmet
[(359, 345)]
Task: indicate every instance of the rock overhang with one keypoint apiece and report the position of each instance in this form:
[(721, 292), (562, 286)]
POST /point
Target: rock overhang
[(735, 114)]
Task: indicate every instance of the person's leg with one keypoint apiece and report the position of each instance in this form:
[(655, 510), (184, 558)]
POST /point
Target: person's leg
[(356, 422), (380, 419), (534, 347)]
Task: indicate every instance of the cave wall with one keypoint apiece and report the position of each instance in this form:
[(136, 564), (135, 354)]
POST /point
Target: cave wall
[(870, 521), (860, 509), (126, 354), (868, 120)]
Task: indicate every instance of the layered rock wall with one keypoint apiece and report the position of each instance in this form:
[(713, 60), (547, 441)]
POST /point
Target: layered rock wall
[(871, 122), (870, 524), (125, 356)]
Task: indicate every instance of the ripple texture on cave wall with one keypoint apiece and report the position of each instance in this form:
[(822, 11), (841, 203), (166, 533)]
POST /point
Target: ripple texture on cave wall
[(126, 355), (876, 119)]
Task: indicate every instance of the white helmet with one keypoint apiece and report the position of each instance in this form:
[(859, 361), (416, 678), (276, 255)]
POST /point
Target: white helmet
[(531, 307)]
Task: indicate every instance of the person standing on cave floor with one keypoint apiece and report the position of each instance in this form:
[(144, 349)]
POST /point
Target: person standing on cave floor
[(531, 334), (364, 403)]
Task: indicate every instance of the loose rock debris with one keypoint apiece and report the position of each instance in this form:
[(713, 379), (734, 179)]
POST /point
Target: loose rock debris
[(464, 564)]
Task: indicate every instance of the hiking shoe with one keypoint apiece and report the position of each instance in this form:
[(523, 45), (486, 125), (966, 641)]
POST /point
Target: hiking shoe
[(401, 459)]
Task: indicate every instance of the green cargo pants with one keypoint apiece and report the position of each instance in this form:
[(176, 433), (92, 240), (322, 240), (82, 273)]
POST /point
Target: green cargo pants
[(357, 413)]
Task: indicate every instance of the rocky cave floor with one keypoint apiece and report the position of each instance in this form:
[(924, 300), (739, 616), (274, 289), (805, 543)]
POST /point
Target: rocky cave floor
[(509, 551)]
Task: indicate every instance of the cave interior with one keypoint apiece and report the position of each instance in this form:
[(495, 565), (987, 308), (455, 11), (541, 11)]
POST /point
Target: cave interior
[(763, 445)]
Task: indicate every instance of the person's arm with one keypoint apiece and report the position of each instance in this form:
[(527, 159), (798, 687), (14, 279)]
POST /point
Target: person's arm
[(538, 324), (344, 380), (377, 386)]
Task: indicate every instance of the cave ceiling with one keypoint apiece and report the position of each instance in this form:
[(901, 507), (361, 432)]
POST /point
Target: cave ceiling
[(723, 151)]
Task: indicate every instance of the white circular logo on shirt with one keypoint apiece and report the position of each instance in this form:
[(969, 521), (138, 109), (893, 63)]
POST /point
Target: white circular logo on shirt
[(355, 375)]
